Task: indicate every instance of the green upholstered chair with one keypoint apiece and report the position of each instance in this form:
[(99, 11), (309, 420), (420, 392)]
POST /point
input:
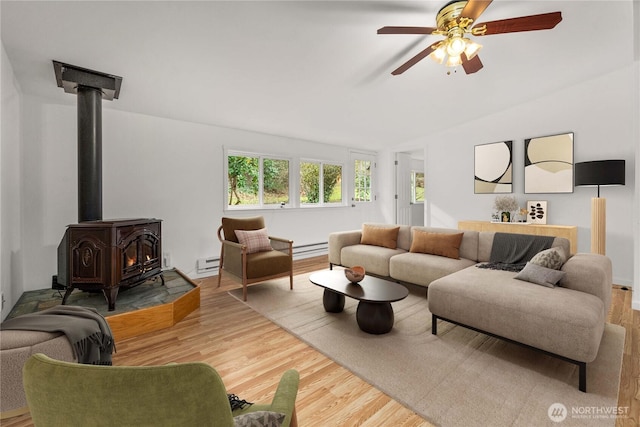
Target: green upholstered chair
[(245, 267), (63, 394)]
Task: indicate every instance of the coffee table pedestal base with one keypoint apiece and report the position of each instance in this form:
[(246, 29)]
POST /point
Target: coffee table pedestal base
[(333, 302), (375, 317)]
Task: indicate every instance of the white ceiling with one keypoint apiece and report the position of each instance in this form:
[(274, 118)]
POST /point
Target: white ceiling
[(305, 69)]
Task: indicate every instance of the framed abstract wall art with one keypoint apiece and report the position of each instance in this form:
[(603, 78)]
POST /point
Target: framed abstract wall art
[(548, 164), (493, 168), (537, 211)]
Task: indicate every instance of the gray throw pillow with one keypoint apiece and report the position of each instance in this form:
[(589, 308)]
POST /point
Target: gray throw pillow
[(550, 258), (259, 419), (540, 275)]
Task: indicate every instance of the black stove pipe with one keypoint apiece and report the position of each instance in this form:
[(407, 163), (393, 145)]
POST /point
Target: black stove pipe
[(89, 154)]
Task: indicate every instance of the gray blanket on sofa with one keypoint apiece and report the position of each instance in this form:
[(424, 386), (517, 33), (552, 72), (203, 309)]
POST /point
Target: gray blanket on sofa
[(511, 252), (87, 330)]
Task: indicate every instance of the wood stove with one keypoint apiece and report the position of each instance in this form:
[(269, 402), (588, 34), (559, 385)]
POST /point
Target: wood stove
[(97, 255), (109, 255)]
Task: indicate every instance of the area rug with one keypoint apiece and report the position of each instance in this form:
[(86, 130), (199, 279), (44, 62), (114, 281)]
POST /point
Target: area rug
[(457, 378)]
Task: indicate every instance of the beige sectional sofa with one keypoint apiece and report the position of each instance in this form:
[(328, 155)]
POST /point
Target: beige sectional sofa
[(566, 321)]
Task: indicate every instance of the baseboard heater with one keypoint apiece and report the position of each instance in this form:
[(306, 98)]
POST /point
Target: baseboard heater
[(212, 264)]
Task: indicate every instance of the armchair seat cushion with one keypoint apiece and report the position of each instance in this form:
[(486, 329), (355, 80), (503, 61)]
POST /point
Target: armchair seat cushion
[(261, 264)]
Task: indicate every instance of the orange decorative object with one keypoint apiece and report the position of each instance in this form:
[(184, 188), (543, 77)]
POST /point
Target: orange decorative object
[(355, 273)]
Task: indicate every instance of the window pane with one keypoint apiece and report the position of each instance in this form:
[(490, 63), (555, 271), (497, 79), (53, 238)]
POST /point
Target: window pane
[(243, 180), (362, 184), (332, 180), (417, 186), (276, 181), (309, 182)]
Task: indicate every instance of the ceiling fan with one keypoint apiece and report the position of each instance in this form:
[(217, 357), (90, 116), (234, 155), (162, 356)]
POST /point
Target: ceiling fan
[(458, 18)]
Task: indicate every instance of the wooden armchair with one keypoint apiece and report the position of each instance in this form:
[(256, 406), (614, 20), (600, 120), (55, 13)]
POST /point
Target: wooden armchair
[(249, 255)]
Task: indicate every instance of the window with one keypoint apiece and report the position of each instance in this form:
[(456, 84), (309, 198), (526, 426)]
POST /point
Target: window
[(417, 187), (320, 183), (257, 181), (362, 180)]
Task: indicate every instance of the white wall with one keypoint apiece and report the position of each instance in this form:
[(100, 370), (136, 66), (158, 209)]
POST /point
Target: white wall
[(602, 115), (158, 168), (10, 191)]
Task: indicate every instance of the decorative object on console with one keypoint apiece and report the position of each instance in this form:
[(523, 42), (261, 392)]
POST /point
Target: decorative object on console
[(597, 173), (537, 211), (548, 164), (493, 168), (506, 206), (355, 273)]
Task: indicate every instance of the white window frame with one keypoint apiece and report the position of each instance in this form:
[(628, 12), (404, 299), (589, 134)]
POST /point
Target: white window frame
[(321, 202), (370, 157), (261, 204)]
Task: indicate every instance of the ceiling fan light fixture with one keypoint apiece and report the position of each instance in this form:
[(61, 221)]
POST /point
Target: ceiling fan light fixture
[(454, 61), (439, 53), (455, 46), (472, 48)]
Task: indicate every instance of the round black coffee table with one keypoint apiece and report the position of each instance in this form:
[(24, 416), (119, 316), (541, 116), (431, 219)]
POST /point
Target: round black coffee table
[(374, 313)]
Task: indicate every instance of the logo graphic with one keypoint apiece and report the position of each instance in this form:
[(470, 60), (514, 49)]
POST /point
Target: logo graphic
[(557, 412)]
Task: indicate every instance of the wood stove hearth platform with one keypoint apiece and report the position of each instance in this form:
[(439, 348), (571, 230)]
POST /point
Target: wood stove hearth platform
[(145, 308)]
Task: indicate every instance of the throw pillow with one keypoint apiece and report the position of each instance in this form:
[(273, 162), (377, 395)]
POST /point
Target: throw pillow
[(539, 275), (254, 240), (443, 244), (550, 258), (380, 236), (259, 419)]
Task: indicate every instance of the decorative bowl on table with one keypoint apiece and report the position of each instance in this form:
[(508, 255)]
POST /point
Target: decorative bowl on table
[(354, 274)]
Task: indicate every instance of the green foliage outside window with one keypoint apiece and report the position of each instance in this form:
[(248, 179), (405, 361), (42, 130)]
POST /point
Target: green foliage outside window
[(362, 181), (332, 180), (310, 183), (244, 180), (259, 181), (417, 187), (276, 181)]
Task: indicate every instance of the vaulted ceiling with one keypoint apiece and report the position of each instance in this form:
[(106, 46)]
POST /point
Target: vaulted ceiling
[(313, 70)]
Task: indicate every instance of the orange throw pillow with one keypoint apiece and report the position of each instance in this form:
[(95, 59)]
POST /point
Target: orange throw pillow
[(443, 244), (380, 236)]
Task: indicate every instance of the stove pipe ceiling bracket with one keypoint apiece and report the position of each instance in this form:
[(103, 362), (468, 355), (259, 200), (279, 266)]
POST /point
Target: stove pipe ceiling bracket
[(91, 87)]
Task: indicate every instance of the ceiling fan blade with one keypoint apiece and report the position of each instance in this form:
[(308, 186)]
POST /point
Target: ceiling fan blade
[(406, 30), (474, 8), (471, 65), (413, 61), (544, 21)]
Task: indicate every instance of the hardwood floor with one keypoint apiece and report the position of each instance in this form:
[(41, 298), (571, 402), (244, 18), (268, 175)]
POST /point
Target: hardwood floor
[(250, 353)]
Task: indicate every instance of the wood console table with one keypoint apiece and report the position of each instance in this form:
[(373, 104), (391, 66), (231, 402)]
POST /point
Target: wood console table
[(569, 232)]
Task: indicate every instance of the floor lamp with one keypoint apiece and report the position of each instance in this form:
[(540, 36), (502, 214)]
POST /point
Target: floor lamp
[(597, 173)]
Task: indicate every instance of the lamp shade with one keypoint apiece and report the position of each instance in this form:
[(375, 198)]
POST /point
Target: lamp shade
[(600, 172)]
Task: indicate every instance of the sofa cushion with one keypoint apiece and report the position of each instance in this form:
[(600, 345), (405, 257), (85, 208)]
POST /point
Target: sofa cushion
[(559, 320), (375, 235), (374, 259), (422, 269), (229, 226), (540, 275), (267, 263), (443, 244), (254, 240), (552, 258), (469, 244)]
